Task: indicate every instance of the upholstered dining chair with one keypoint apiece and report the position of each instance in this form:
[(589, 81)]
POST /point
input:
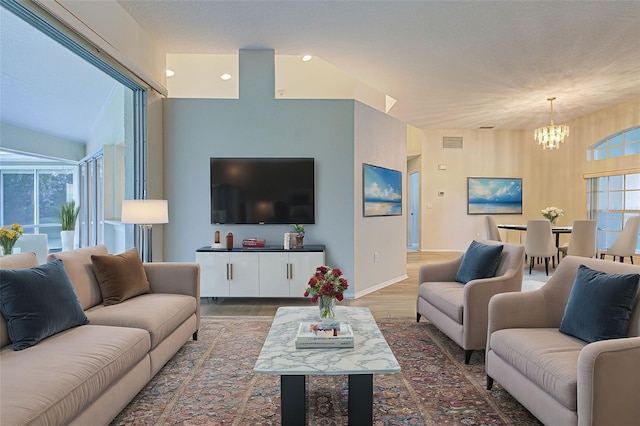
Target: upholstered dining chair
[(36, 243), (540, 243), (583, 239), (626, 243), (493, 232)]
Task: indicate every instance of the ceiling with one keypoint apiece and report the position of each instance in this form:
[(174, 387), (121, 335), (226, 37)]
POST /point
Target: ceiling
[(449, 64), (46, 88)]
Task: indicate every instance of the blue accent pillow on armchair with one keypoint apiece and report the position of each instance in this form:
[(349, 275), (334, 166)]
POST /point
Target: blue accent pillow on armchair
[(38, 302), (599, 305), (479, 261)]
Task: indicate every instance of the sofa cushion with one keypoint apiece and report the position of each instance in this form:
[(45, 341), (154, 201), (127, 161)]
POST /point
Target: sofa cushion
[(38, 302), (78, 265), (120, 276), (545, 356), (479, 261), (163, 313), (448, 297), (58, 378), (599, 305)]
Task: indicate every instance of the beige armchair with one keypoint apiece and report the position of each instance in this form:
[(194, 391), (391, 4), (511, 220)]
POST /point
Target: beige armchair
[(460, 310), (561, 379)]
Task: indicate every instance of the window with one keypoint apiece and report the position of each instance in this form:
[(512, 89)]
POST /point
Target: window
[(32, 196), (626, 142), (612, 201)]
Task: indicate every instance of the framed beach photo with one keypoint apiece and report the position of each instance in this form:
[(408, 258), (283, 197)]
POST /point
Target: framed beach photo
[(381, 191), (494, 195)]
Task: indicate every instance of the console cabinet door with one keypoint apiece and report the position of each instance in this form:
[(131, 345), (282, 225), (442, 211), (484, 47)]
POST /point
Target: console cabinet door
[(244, 275), (302, 267), (274, 274), (213, 274)]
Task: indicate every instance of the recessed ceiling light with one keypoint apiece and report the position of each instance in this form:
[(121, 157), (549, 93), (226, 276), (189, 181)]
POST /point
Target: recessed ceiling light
[(226, 76), (306, 58), (170, 73)]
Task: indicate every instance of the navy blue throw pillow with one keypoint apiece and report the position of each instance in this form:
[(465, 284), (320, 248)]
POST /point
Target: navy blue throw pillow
[(479, 261), (38, 302), (599, 305)]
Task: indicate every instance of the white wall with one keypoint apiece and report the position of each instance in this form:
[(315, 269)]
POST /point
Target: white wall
[(109, 126), (382, 141), (24, 140)]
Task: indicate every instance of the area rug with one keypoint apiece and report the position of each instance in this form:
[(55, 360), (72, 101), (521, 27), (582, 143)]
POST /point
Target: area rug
[(211, 382)]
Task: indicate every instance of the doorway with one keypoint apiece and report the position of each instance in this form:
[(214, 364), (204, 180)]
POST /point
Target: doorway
[(413, 228)]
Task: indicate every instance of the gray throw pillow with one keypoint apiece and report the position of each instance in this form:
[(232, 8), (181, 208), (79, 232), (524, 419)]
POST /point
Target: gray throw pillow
[(479, 261), (599, 305), (38, 302)]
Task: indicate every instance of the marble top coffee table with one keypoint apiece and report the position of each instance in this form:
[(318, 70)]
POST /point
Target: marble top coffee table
[(370, 355)]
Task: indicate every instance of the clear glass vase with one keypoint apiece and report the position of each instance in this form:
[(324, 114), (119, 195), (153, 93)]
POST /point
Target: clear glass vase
[(327, 306), (7, 247)]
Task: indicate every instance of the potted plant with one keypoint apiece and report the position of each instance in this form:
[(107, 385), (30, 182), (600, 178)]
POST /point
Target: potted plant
[(68, 216), (298, 231)]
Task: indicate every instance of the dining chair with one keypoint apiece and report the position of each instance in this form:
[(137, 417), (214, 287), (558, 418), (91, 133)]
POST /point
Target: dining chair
[(626, 243), (539, 243), (493, 233), (583, 239), (36, 243)]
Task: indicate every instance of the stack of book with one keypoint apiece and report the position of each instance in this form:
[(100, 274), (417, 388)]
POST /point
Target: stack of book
[(253, 242), (324, 335)]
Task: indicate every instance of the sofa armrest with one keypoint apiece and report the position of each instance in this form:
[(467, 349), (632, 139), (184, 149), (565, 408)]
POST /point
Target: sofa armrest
[(477, 294), (609, 382), (440, 271), (519, 310), (174, 277)]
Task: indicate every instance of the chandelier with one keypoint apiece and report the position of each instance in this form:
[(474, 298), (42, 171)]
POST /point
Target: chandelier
[(551, 136)]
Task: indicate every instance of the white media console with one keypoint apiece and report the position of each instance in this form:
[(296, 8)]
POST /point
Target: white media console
[(268, 271)]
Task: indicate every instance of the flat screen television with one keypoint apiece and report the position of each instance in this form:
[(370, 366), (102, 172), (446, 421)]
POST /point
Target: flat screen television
[(262, 190)]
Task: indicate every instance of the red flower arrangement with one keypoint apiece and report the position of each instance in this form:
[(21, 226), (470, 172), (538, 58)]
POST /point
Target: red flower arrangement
[(326, 282)]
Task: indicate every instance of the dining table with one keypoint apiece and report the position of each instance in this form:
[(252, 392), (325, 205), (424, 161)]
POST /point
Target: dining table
[(556, 230)]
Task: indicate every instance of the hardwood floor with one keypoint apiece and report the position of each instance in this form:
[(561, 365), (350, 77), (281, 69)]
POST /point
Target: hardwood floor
[(395, 301)]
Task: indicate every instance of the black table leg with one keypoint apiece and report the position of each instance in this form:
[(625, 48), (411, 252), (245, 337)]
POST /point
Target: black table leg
[(293, 407), (360, 399)]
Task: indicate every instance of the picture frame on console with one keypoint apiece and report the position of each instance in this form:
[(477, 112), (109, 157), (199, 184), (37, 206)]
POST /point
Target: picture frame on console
[(381, 191), (490, 195)]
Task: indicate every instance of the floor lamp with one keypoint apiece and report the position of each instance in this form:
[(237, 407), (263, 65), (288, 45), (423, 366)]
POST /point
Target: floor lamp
[(145, 213)]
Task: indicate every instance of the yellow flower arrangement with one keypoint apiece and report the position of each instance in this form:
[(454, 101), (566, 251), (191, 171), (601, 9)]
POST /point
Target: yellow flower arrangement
[(8, 237)]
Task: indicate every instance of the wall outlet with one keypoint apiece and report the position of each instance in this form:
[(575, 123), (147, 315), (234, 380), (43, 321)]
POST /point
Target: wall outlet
[(376, 257)]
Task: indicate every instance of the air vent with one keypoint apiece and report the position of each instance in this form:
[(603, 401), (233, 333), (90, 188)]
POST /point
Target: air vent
[(454, 142)]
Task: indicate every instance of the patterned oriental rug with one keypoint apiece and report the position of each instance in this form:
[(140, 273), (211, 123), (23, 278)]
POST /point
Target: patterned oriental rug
[(211, 382)]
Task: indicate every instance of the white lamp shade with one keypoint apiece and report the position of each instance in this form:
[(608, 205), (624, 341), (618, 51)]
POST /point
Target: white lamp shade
[(145, 212)]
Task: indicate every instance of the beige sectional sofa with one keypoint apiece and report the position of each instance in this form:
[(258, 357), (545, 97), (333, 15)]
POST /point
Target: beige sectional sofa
[(561, 379), (87, 374)]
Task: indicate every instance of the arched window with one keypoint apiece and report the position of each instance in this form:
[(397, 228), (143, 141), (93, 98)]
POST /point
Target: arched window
[(625, 142)]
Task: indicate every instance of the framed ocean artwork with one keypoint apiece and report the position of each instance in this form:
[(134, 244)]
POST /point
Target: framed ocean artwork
[(494, 195), (381, 192)]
